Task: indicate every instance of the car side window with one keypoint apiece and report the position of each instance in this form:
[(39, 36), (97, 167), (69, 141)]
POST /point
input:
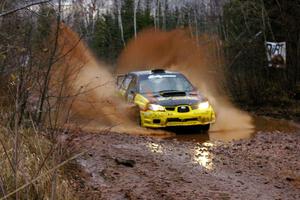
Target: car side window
[(131, 90), (119, 81), (132, 85), (126, 82)]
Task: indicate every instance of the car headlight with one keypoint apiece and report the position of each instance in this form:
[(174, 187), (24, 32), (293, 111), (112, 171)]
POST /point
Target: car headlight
[(156, 107), (203, 105)]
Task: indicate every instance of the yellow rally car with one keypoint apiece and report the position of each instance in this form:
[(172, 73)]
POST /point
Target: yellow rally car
[(165, 99)]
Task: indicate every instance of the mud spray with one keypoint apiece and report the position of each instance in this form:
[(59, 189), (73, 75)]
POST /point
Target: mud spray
[(200, 61), (86, 90), (91, 87)]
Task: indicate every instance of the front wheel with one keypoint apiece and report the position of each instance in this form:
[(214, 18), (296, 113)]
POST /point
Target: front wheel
[(139, 120), (205, 127)]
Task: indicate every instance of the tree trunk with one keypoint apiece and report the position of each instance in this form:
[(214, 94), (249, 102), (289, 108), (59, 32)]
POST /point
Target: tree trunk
[(119, 6), (164, 26), (196, 26), (157, 13), (136, 3)]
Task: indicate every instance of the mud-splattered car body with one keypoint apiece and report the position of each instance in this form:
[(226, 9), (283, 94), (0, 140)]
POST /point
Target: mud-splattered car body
[(165, 99)]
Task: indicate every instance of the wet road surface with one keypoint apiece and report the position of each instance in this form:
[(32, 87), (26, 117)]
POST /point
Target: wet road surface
[(120, 166)]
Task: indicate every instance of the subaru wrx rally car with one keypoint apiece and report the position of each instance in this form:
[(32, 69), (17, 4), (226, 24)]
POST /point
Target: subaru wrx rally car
[(165, 99)]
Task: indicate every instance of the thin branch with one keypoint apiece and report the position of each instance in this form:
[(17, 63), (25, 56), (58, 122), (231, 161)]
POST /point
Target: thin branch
[(7, 156), (69, 51), (51, 59), (2, 186), (80, 93), (23, 7), (44, 161), (243, 49)]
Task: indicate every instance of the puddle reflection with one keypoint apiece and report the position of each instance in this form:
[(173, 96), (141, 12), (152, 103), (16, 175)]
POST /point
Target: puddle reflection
[(155, 148), (202, 155)]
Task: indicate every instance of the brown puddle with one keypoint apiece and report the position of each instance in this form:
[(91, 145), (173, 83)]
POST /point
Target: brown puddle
[(201, 154), (262, 124)]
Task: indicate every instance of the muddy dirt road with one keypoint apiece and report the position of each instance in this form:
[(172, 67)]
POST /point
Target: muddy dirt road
[(265, 165)]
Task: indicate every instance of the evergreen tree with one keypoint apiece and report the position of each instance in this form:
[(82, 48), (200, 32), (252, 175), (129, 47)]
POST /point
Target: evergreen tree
[(127, 18), (106, 41), (144, 18)]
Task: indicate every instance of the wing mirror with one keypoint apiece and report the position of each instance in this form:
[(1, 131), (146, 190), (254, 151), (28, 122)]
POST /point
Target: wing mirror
[(132, 91)]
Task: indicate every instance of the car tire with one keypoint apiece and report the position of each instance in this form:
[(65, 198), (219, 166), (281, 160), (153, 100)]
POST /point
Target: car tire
[(205, 127), (139, 120)]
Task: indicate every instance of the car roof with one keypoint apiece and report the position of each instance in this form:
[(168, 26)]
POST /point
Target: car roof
[(149, 72)]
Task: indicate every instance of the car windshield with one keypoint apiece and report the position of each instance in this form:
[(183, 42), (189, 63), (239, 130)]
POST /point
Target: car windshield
[(165, 83)]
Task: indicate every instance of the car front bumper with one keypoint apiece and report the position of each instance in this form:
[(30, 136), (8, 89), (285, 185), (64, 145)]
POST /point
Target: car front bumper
[(160, 119)]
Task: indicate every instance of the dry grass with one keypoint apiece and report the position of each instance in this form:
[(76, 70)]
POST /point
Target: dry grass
[(37, 161)]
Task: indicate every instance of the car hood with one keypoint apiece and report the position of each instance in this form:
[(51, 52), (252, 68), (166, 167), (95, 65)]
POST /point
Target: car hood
[(174, 100)]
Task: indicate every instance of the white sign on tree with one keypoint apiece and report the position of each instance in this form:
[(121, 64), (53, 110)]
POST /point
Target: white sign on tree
[(276, 53)]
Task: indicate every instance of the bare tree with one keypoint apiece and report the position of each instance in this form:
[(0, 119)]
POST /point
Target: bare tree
[(23, 7)]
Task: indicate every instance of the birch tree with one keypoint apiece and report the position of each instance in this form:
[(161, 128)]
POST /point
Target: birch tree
[(163, 13), (156, 13), (119, 7), (136, 4)]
